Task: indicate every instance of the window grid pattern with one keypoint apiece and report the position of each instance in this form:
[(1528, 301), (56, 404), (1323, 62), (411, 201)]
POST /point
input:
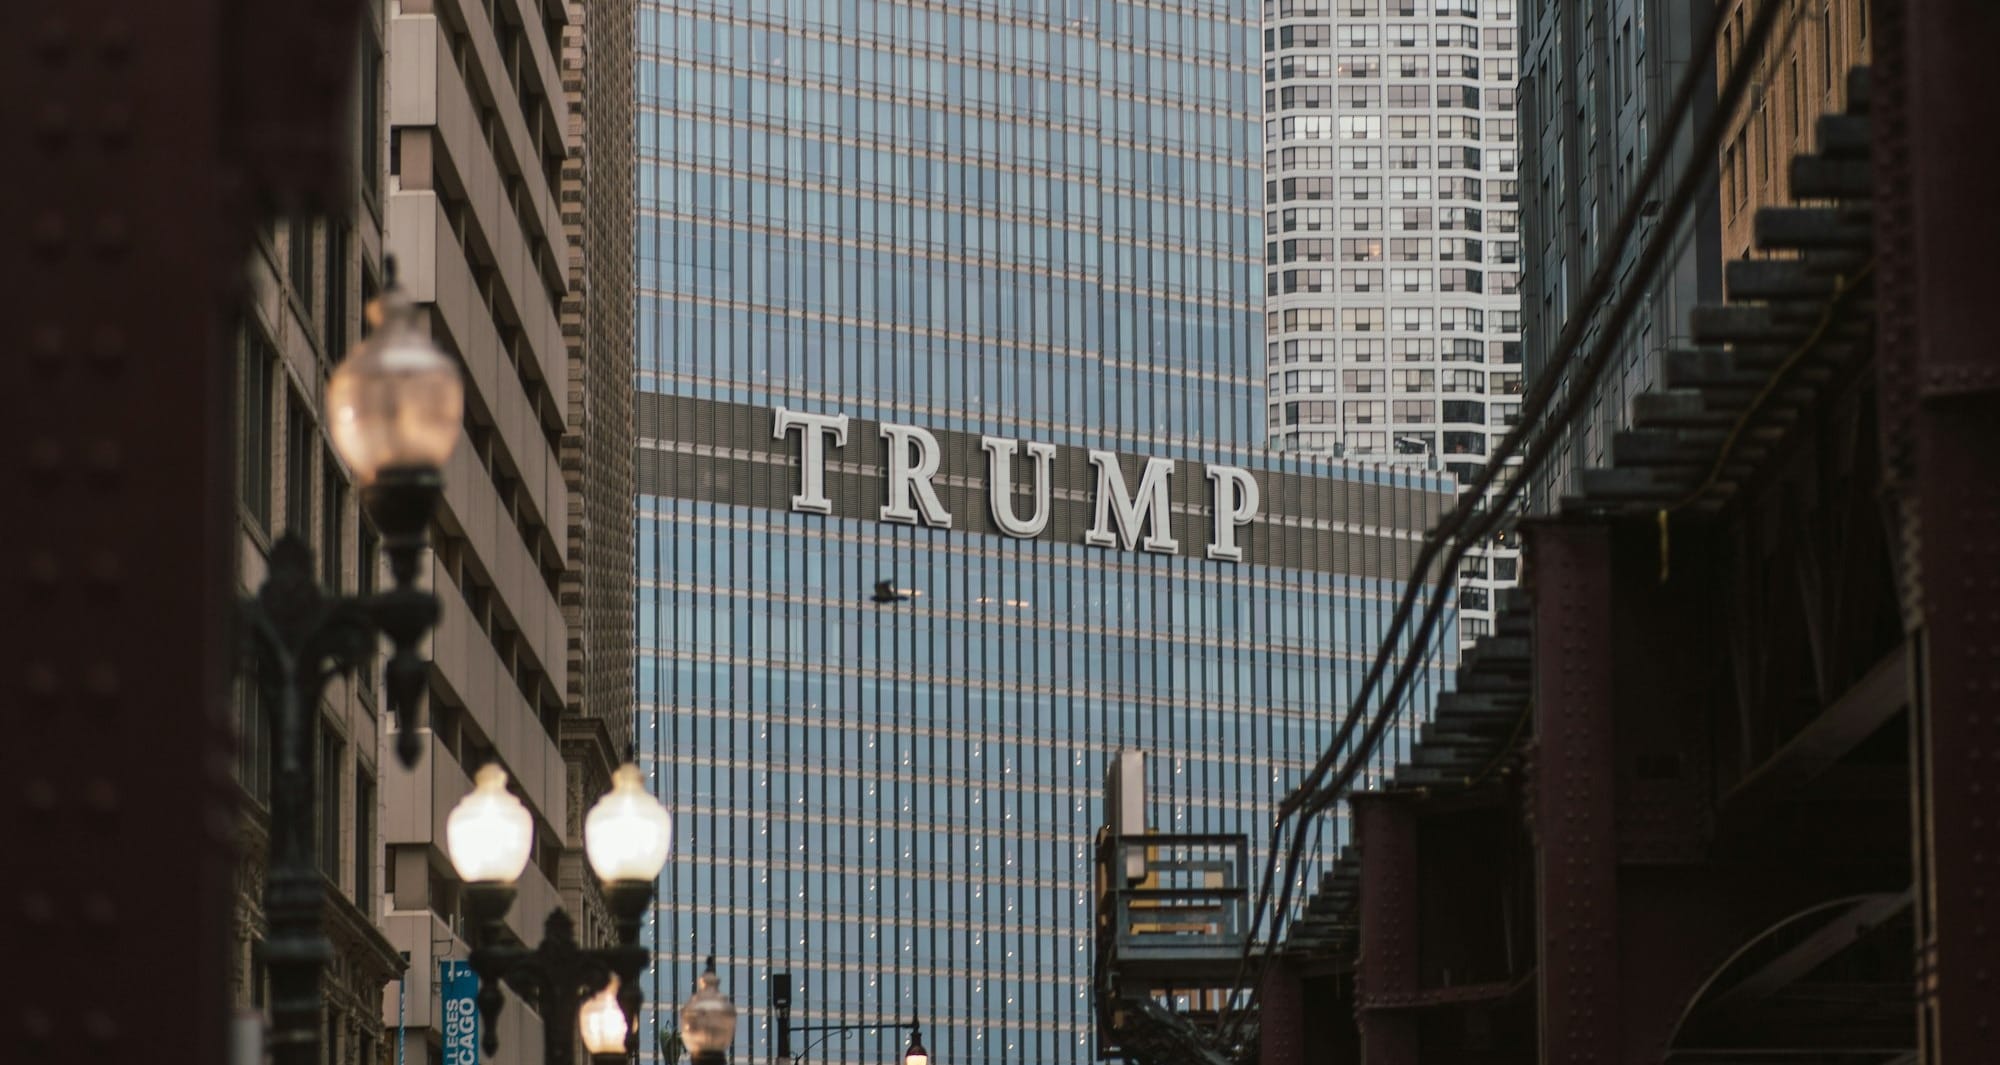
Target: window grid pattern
[(1035, 218), (1417, 153)]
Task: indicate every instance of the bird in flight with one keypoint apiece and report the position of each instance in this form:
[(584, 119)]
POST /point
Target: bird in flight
[(887, 592)]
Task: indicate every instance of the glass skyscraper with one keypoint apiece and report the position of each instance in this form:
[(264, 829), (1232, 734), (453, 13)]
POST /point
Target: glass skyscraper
[(1004, 241)]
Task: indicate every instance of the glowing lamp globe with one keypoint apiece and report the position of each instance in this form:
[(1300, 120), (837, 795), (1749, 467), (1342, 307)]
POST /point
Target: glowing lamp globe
[(489, 832), (628, 834), (396, 402), (708, 1021), (602, 1022)]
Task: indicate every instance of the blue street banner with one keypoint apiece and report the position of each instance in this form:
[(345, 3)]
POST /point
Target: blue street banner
[(459, 987)]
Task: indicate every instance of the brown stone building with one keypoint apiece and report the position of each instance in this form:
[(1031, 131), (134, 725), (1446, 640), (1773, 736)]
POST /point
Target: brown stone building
[(1802, 75), (307, 280), (479, 128), (597, 449)]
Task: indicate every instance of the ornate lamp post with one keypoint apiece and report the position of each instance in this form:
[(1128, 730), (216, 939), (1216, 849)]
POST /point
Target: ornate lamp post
[(626, 837), (393, 410)]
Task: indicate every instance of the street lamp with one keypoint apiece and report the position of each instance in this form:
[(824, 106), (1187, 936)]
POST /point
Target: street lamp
[(781, 1005), (708, 1021), (394, 406), (626, 837), (915, 1054)]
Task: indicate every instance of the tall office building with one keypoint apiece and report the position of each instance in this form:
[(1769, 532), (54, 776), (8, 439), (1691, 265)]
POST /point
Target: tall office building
[(1391, 243), (491, 194), (1595, 81), (964, 303)]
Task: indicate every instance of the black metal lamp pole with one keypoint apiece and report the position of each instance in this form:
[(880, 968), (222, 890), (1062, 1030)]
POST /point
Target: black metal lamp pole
[(301, 639), (557, 975), (394, 411)]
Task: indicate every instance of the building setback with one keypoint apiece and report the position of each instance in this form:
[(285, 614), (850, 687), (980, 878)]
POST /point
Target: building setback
[(1595, 79), (1027, 225), (1392, 243)]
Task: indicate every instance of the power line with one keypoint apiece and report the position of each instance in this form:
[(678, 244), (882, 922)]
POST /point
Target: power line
[(1540, 431)]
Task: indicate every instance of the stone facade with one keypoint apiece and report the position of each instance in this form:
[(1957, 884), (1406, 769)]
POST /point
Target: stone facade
[(598, 448), (1801, 76)]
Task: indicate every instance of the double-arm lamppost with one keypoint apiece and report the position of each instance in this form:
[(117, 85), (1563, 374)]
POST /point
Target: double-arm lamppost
[(393, 408), (626, 836)]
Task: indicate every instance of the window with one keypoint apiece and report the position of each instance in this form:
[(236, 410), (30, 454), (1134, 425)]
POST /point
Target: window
[(1409, 157), (253, 741), (1464, 319), (1361, 158), (1360, 189), (1411, 320), (1360, 96), (1352, 36), (364, 837), (365, 561), (1360, 66), (1367, 412), (1409, 249), (1363, 350), (299, 448), (1414, 380), (1362, 218), (333, 512), (1410, 188), (258, 434), (1410, 279), (1362, 380), (1361, 319), (1414, 411), (1409, 127), (1458, 219), (1458, 250), (1359, 250), (327, 808), (1414, 66), (334, 331), (1309, 219), (1409, 218), (1460, 281), (1360, 280), (299, 258), (1360, 127), (1458, 96), (371, 116), (1413, 349), (1799, 103)]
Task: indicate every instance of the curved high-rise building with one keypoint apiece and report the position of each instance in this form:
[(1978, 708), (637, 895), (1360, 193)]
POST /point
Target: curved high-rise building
[(1391, 245), (952, 485)]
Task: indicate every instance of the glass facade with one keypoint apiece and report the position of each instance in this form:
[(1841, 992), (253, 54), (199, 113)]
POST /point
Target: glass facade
[(1039, 220), (1037, 213)]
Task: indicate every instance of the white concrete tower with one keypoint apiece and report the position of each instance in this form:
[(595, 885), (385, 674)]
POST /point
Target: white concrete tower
[(1391, 239)]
